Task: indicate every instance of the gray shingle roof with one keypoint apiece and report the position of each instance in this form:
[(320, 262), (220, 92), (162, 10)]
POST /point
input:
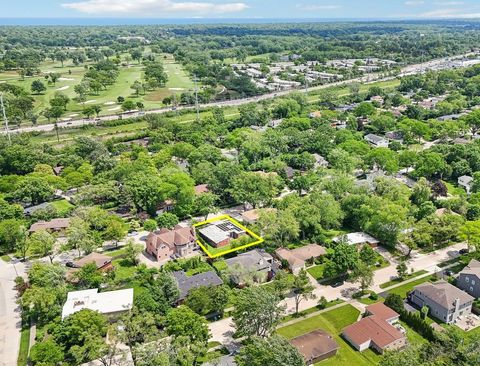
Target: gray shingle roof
[(185, 283), (444, 294)]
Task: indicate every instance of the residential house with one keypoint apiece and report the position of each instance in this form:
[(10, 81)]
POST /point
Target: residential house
[(220, 233), (251, 216), (376, 330), (165, 243), (29, 211), (315, 346), (229, 154), (201, 188), (358, 238), (378, 99), (257, 263), (165, 206), (102, 261), (320, 161), (468, 279), (315, 114), (376, 140), (56, 225), (445, 301), (466, 182), (186, 283), (110, 303), (296, 258)]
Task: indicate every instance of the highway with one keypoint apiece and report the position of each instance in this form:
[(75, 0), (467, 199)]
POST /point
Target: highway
[(438, 64)]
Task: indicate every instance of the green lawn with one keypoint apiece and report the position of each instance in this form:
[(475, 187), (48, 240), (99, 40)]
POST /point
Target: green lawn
[(334, 321), (24, 347), (311, 310), (413, 337), (406, 288), (124, 270), (63, 207), (6, 258), (316, 271), (454, 190), (398, 280)]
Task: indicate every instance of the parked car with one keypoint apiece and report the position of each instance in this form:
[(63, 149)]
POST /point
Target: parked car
[(338, 284), (463, 251)]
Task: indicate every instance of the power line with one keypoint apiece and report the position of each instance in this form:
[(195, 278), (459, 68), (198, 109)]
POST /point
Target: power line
[(5, 117)]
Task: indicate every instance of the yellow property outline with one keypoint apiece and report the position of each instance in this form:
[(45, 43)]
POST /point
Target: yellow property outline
[(236, 223)]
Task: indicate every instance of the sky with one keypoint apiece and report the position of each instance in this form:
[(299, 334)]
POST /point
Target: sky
[(240, 9)]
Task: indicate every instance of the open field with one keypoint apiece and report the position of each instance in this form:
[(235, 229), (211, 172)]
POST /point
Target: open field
[(334, 321), (71, 75)]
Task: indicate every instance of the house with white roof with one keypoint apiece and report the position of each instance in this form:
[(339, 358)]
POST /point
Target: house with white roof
[(358, 238), (376, 140), (466, 182), (109, 303)]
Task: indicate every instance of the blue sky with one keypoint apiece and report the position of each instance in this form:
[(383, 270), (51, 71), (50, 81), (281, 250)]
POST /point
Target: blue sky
[(326, 9)]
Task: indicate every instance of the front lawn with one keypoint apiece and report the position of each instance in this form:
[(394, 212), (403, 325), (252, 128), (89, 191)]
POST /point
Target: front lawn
[(399, 280), (334, 321), (311, 310), (317, 271), (63, 207), (124, 269), (24, 347), (403, 290)]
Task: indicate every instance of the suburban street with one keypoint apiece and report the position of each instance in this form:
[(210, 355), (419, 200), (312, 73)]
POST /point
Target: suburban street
[(438, 64), (10, 321), (223, 330)]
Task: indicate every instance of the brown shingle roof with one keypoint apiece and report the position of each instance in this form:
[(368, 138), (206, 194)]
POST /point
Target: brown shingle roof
[(298, 256), (201, 188), (55, 224), (372, 328), (315, 344), (473, 268), (178, 236), (99, 259), (382, 311)]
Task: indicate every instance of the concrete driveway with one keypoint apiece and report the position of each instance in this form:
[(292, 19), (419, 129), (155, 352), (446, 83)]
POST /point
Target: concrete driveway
[(10, 317)]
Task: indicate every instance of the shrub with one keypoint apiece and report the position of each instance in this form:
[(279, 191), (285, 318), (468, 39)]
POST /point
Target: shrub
[(322, 302), (373, 296)]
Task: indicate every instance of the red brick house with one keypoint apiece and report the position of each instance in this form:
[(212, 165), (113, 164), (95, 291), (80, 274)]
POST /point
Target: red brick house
[(164, 243)]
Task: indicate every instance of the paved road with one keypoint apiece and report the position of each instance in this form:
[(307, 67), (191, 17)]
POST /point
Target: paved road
[(10, 321), (223, 330), (438, 64)]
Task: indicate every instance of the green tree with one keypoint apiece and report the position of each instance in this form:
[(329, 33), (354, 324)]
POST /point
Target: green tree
[(206, 203), (402, 270), (256, 312), (132, 251), (167, 220), (182, 321), (38, 87), (254, 188), (362, 274), (302, 288), (42, 243), (273, 351)]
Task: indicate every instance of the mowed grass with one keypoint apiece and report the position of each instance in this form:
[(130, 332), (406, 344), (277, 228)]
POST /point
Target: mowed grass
[(72, 75), (403, 290), (22, 359), (316, 271), (334, 321)]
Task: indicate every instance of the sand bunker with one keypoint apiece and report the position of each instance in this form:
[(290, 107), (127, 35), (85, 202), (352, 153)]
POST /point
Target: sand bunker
[(64, 88), (66, 79), (114, 109), (109, 103), (176, 88), (73, 115), (90, 101)]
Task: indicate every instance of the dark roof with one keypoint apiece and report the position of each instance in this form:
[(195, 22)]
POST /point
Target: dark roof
[(185, 283), (32, 209)]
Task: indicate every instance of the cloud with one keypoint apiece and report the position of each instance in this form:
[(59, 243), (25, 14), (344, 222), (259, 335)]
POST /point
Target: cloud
[(319, 7), (449, 3), (450, 13), (151, 7), (414, 2)]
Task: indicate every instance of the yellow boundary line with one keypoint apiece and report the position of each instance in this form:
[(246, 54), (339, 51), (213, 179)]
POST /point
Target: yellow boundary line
[(236, 223)]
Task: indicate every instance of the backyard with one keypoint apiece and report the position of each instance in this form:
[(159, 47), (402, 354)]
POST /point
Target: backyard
[(334, 321)]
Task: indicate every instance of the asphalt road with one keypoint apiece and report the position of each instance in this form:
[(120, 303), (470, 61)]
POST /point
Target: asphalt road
[(438, 64)]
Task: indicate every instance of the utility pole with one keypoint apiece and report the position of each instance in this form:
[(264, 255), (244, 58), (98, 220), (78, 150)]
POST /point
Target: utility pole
[(5, 118), (196, 97)]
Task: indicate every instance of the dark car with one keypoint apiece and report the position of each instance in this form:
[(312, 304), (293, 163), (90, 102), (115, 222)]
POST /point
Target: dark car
[(71, 265), (463, 251), (338, 284)]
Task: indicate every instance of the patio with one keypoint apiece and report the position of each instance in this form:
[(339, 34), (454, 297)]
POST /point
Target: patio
[(468, 322)]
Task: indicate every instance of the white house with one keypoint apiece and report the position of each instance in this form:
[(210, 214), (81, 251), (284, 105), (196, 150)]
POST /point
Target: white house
[(466, 182), (108, 303), (376, 141), (358, 238)]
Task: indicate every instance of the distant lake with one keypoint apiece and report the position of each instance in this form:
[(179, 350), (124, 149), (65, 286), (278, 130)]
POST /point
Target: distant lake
[(153, 21)]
